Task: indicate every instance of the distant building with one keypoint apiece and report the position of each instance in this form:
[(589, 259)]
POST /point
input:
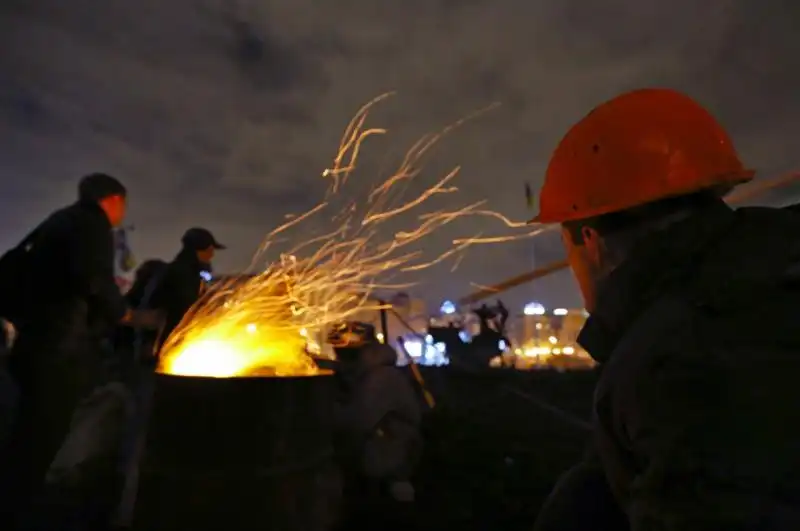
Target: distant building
[(548, 338)]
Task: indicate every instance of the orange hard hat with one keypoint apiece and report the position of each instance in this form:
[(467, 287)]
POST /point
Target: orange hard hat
[(639, 147)]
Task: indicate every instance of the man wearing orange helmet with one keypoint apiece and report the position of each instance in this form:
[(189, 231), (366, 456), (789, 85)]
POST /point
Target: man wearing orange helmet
[(696, 424)]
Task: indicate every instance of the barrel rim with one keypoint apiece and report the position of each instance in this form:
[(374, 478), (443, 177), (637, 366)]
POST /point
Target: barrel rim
[(321, 373)]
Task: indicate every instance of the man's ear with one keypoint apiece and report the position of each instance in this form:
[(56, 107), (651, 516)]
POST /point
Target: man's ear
[(593, 244)]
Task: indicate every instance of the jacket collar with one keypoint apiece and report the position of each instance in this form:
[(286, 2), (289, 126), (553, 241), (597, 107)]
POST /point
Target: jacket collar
[(655, 265)]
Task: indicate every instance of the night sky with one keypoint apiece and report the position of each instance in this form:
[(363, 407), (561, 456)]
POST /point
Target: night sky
[(224, 113)]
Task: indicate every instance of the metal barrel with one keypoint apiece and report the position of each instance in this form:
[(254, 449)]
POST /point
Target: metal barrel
[(238, 453)]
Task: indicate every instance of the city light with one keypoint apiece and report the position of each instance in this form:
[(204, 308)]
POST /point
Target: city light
[(425, 353), (547, 341), (413, 347), (532, 352), (448, 308), (534, 308)]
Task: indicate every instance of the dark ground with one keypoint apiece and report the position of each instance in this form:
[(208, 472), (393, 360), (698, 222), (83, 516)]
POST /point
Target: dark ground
[(492, 456)]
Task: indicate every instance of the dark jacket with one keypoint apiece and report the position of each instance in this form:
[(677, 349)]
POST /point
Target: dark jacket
[(62, 349), (179, 289), (72, 302), (696, 417), (71, 274), (378, 417), (581, 501)]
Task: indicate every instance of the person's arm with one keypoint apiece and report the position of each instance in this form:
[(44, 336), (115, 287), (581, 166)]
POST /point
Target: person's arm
[(581, 500), (184, 291), (91, 260), (177, 292), (389, 427), (375, 396), (702, 455)]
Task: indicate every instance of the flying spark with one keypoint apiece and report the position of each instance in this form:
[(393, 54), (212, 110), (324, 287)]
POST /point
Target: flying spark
[(264, 324)]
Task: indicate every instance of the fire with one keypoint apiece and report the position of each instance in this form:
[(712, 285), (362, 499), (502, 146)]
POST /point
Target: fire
[(223, 351), (264, 325), (224, 338)]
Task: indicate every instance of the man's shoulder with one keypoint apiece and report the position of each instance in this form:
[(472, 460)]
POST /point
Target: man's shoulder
[(58, 227), (672, 334), (178, 271), (59, 218), (393, 381), (76, 219), (706, 367), (178, 279), (681, 334), (663, 323), (167, 277)]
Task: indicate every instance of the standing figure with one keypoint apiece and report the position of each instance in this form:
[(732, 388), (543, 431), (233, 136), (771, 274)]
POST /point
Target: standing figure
[(693, 317), (65, 318), (377, 426), (185, 278)]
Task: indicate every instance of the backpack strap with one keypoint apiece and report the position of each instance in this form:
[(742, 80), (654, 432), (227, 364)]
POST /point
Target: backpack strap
[(151, 287), (26, 242)]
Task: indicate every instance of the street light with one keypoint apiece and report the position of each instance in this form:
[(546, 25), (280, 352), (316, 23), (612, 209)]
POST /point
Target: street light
[(534, 308), (448, 308)]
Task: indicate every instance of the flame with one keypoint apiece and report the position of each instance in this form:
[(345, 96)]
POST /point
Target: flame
[(265, 325), (226, 350)]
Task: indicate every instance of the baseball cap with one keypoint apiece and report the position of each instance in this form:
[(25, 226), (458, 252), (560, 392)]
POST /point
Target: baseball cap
[(199, 238)]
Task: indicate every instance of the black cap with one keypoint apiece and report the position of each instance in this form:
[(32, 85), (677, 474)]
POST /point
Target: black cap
[(98, 186), (198, 238)]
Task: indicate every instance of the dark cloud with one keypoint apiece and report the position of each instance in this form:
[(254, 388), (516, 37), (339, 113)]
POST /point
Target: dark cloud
[(267, 63), (223, 113)]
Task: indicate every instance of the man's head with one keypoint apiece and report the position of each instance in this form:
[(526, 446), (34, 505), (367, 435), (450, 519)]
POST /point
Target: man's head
[(632, 165), (596, 246), (351, 334), (202, 242), (108, 193)]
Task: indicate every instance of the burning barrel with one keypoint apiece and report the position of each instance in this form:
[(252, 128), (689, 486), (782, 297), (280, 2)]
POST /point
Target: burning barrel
[(238, 453)]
